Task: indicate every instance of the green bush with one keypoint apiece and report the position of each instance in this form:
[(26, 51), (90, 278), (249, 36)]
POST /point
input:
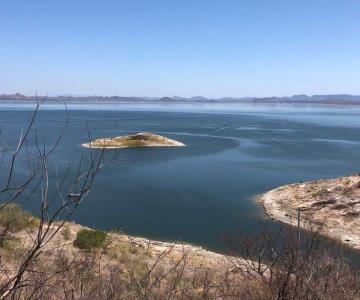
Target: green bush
[(90, 239), (13, 218)]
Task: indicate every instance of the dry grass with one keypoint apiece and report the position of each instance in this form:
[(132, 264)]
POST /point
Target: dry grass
[(135, 268)]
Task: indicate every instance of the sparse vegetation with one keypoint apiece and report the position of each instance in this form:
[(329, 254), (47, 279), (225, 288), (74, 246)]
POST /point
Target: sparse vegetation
[(321, 193), (269, 266), (333, 203), (66, 232), (13, 219), (346, 181), (272, 265)]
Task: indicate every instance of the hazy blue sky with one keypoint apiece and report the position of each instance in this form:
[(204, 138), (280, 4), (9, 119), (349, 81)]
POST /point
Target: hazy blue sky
[(185, 48)]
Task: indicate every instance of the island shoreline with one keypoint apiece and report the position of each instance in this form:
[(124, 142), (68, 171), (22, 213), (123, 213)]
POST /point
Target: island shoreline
[(139, 140)]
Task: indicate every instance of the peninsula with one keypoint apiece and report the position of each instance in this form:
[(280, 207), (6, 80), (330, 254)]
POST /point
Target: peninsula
[(136, 140), (333, 204)]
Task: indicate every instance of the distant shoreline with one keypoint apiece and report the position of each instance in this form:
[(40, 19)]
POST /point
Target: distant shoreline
[(80, 102), (331, 99)]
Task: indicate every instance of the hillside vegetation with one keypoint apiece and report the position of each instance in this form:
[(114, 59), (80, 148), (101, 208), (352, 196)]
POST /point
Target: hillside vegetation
[(82, 263)]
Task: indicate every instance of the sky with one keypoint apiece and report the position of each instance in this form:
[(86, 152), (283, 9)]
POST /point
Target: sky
[(184, 48)]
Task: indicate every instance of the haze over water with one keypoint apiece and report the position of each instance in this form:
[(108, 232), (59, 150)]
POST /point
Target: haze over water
[(199, 192)]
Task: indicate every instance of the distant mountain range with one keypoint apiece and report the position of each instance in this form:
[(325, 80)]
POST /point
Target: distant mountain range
[(327, 99)]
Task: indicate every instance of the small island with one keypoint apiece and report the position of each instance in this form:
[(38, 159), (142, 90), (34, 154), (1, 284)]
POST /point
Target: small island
[(136, 140), (332, 204)]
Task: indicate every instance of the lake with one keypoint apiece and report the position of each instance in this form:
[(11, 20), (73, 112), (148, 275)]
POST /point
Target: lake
[(199, 192)]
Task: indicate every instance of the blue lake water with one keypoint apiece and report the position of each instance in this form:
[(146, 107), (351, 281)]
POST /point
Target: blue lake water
[(199, 192)]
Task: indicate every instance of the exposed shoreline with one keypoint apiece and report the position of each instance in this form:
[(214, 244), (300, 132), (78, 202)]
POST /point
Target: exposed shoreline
[(197, 255), (87, 145), (335, 204), (133, 141)]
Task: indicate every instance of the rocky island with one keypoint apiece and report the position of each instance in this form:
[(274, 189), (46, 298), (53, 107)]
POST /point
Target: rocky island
[(335, 204), (136, 140)]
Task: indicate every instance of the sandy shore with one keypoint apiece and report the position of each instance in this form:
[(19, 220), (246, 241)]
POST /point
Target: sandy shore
[(335, 204)]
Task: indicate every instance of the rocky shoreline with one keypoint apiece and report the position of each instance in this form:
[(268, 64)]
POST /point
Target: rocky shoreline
[(136, 140), (333, 204)]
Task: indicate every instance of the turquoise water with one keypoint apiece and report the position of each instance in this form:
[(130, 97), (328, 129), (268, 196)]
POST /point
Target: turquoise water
[(199, 192)]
